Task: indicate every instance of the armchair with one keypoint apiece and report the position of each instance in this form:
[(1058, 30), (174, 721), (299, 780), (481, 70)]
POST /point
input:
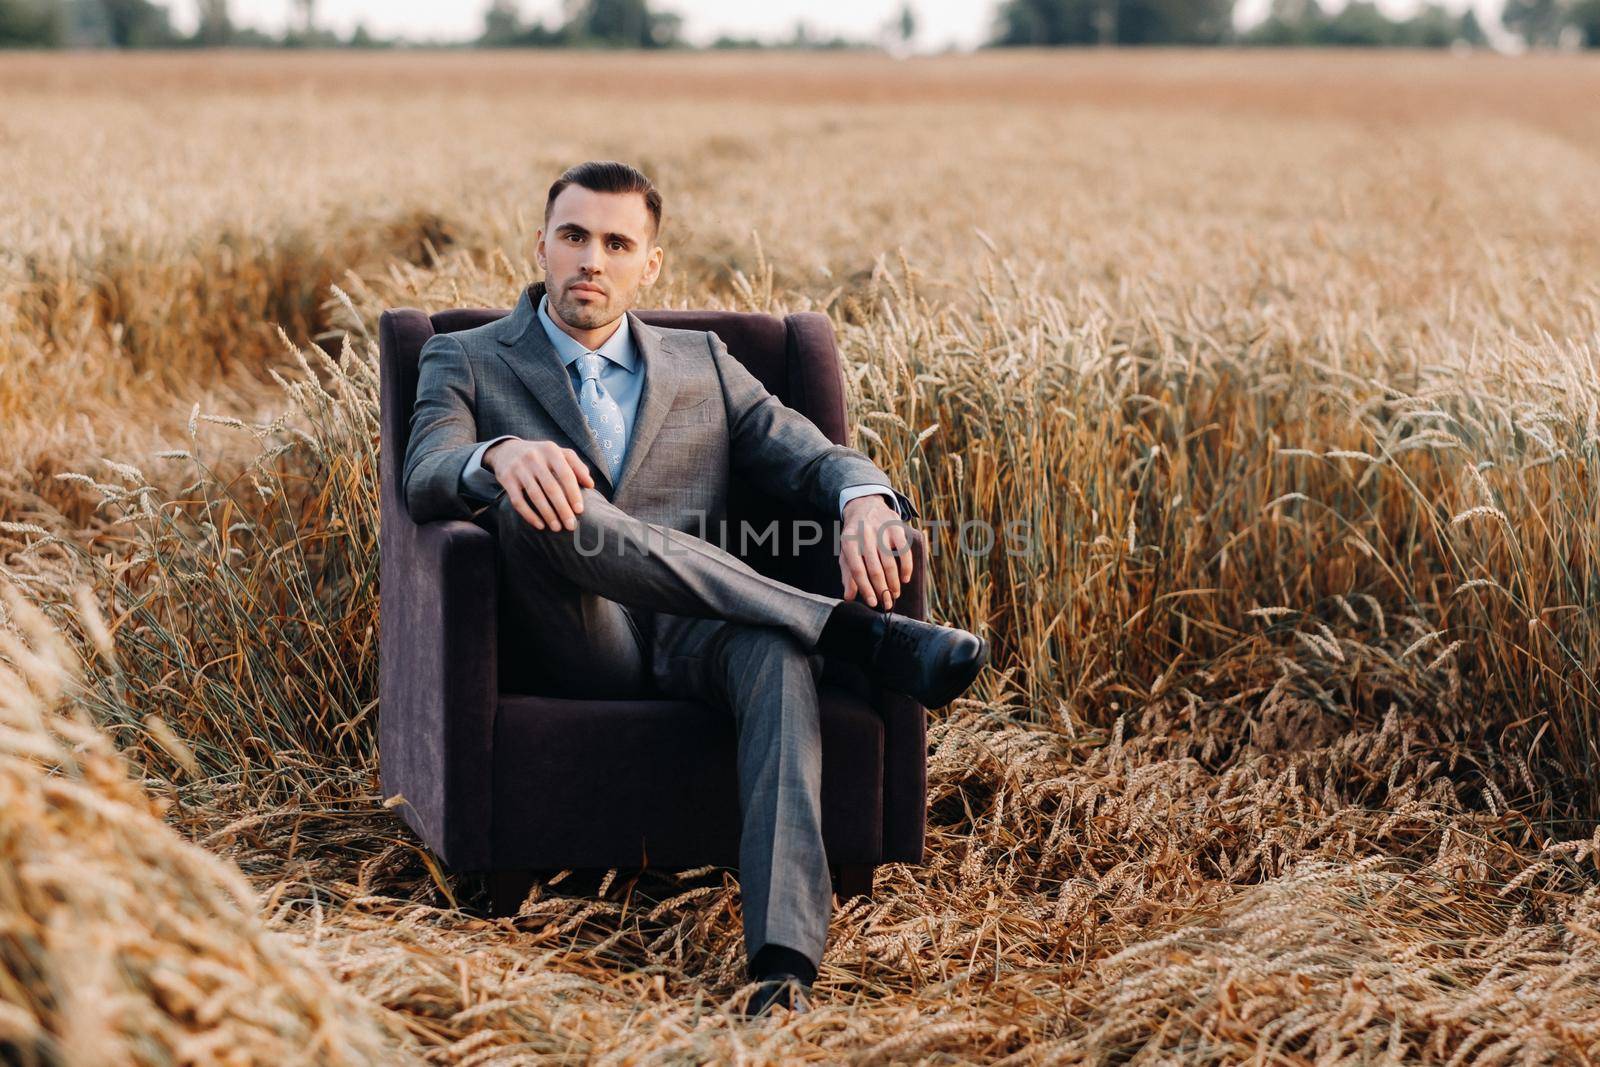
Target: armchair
[(509, 783)]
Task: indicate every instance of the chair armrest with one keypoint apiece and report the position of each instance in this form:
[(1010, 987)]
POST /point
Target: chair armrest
[(438, 686), (905, 735), (905, 722)]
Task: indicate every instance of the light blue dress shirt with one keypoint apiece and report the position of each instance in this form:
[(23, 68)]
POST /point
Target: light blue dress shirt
[(623, 376)]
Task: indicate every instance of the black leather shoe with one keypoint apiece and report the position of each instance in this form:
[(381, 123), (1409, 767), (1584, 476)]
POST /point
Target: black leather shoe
[(778, 990), (930, 663)]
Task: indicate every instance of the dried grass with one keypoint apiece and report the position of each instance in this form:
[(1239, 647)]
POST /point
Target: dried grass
[(123, 942)]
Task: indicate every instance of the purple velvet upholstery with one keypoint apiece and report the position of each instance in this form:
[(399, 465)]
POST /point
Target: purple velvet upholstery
[(494, 780)]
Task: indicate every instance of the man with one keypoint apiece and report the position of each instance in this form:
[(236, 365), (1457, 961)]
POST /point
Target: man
[(591, 443)]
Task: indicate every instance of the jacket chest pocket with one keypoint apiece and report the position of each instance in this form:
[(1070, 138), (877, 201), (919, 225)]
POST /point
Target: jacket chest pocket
[(694, 413)]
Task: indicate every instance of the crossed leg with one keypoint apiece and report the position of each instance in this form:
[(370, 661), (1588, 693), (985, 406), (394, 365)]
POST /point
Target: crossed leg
[(616, 557), (723, 633)]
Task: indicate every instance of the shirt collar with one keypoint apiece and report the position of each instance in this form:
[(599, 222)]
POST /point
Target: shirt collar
[(618, 348)]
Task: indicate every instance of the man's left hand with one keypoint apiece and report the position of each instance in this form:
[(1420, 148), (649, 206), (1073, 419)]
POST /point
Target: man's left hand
[(875, 553)]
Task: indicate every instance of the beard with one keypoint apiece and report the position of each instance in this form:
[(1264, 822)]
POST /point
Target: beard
[(585, 314)]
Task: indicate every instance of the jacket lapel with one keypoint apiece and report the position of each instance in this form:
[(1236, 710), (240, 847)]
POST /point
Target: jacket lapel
[(660, 386), (526, 349)]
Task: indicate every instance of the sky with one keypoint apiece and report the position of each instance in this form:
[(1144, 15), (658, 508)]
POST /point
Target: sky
[(941, 23)]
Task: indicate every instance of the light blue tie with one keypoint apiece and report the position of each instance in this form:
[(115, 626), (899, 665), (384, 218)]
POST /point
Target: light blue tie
[(605, 417)]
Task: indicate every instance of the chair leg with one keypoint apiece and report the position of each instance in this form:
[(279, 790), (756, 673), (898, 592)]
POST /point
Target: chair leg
[(854, 879), (507, 891)]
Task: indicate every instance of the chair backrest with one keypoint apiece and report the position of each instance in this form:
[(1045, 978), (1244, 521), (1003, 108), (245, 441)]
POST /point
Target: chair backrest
[(795, 357)]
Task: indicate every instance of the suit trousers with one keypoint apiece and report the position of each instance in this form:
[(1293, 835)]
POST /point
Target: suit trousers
[(720, 632)]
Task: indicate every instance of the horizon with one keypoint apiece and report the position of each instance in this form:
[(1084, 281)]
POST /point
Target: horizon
[(941, 24)]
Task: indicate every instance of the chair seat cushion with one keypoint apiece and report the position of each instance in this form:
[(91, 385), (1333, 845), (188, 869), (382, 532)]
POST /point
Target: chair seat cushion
[(631, 783)]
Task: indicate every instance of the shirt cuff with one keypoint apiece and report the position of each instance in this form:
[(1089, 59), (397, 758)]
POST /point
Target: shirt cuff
[(850, 492), (478, 481)]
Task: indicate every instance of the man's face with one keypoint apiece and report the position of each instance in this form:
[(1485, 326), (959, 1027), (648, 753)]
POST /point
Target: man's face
[(597, 253)]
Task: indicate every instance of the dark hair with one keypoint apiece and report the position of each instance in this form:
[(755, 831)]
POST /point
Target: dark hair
[(608, 176)]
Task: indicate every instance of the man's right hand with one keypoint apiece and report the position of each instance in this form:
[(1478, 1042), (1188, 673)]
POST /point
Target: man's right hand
[(541, 479)]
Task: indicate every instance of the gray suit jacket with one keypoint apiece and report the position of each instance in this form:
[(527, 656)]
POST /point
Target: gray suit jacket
[(702, 416)]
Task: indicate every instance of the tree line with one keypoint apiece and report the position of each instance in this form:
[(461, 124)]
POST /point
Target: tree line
[(635, 24), (147, 24), (1359, 23)]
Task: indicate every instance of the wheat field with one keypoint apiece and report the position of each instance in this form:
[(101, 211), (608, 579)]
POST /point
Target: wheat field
[(1288, 750)]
